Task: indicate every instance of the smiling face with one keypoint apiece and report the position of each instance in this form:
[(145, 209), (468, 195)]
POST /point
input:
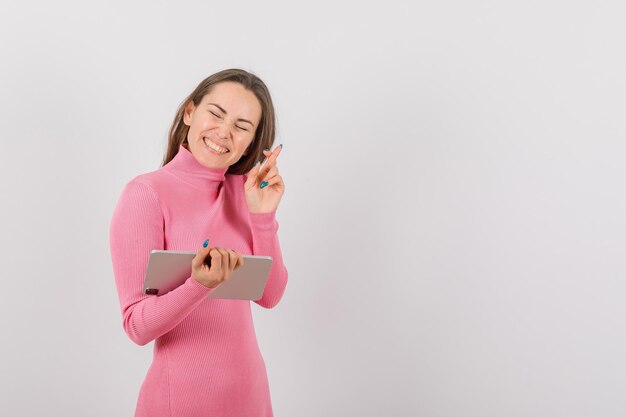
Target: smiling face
[(223, 125)]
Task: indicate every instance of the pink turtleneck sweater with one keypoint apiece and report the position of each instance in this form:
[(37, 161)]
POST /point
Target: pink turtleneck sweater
[(206, 359)]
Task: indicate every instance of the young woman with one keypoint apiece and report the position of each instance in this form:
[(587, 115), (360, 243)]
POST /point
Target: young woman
[(210, 188)]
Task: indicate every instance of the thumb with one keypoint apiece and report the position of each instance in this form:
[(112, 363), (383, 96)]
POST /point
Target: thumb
[(251, 176), (198, 260)]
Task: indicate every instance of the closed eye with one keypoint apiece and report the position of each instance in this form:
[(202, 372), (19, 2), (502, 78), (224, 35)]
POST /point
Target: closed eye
[(241, 128), (215, 114)]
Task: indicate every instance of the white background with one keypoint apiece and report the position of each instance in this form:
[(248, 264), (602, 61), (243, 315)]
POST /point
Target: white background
[(453, 223)]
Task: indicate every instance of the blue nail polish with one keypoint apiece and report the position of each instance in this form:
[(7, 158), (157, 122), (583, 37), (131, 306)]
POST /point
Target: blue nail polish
[(263, 184), (281, 145), (206, 243), (266, 149), (256, 163)]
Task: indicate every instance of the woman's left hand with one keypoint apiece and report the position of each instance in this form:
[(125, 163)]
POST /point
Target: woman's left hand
[(266, 199)]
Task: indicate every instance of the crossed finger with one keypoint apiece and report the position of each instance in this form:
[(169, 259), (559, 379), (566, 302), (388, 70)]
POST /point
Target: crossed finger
[(270, 161), (271, 173)]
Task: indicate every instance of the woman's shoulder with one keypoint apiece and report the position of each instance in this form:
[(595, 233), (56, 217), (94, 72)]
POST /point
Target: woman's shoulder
[(146, 183), (152, 178), (145, 180), (139, 197)]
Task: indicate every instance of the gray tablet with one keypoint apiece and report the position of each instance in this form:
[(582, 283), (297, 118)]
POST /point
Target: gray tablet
[(170, 269)]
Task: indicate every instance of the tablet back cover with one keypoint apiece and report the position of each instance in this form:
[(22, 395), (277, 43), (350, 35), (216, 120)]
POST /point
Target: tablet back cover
[(169, 269)]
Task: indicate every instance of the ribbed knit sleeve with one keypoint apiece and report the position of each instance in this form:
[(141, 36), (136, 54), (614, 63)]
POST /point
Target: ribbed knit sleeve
[(136, 229), (265, 242)]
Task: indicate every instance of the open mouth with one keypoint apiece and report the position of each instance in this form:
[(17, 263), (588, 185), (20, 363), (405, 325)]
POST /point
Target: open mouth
[(214, 146)]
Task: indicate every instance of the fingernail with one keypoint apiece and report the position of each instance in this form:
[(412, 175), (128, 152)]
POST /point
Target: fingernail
[(256, 163), (281, 145), (206, 243), (266, 149), (263, 184)]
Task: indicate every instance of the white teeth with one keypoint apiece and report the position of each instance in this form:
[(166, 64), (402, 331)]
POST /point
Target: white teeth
[(215, 147)]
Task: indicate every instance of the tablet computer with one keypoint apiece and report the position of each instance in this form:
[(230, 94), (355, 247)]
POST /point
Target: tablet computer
[(170, 269)]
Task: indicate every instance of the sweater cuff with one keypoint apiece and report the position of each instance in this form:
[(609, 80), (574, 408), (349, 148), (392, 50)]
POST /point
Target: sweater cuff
[(197, 288), (264, 221)]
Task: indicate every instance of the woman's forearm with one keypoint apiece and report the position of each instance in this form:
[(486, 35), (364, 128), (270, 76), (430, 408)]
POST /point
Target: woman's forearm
[(265, 242), (154, 316)]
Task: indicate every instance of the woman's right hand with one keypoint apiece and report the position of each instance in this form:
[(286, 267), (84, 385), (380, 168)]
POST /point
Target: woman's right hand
[(223, 263)]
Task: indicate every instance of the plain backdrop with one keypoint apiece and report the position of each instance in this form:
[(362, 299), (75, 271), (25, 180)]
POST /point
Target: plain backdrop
[(453, 222)]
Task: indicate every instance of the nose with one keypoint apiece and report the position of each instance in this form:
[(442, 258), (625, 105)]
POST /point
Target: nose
[(223, 131)]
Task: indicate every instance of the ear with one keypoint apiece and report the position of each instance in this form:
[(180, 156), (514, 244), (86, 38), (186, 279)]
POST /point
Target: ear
[(188, 112)]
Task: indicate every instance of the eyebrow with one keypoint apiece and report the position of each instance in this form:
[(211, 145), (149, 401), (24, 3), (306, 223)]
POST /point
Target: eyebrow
[(224, 111)]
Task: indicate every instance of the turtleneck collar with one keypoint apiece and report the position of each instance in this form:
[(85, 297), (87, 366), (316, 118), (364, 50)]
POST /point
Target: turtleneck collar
[(186, 167)]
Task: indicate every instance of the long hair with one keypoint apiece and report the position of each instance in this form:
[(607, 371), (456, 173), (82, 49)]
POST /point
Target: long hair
[(265, 131)]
